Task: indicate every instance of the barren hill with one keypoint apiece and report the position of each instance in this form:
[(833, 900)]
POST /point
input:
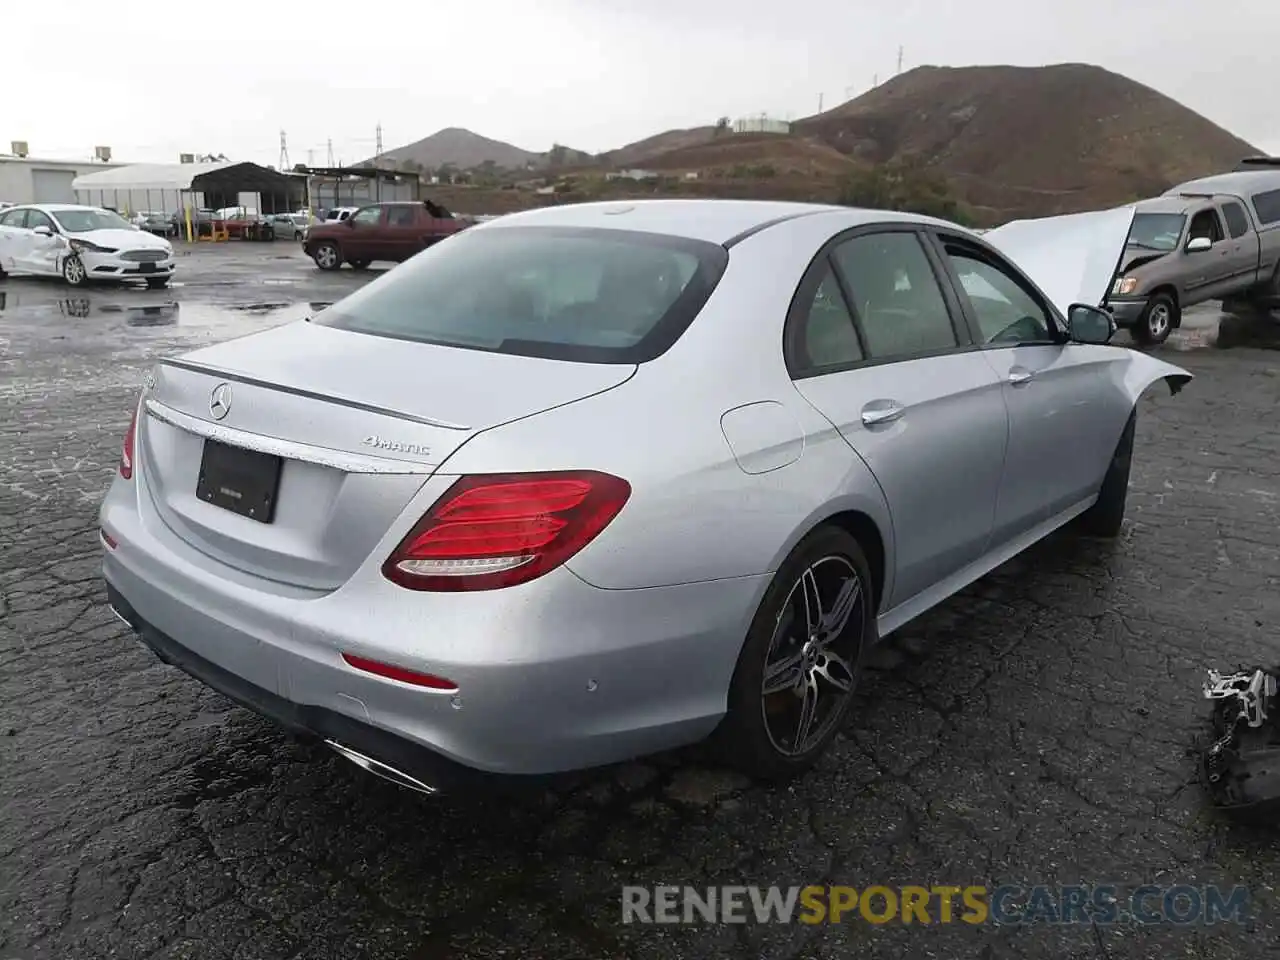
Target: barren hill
[(640, 151), (465, 150), (461, 148), (1031, 140)]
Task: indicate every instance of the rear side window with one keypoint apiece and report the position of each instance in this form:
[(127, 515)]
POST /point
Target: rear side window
[(14, 218), (589, 295), (825, 336), (1237, 222), (1267, 206), (895, 295), (401, 216)]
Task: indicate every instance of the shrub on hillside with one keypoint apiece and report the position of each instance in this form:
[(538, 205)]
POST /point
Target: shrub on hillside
[(904, 187)]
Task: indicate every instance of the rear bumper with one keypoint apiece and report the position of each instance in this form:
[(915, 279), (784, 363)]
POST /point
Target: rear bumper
[(552, 676), (1127, 312), (311, 722)]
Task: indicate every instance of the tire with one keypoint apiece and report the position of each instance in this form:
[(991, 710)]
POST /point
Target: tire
[(1106, 516), (1158, 320), (73, 271), (753, 736), (157, 283), (327, 256), (359, 264)]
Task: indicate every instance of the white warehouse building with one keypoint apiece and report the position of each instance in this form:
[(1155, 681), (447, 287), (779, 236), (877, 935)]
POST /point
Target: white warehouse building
[(32, 180)]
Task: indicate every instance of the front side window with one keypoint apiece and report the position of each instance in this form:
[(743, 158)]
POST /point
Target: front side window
[(37, 218), (895, 295), (1006, 311), (592, 295), (79, 221), (368, 216), (1205, 224)]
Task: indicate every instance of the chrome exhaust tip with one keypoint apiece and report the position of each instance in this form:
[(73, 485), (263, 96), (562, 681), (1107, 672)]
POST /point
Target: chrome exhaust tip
[(380, 769)]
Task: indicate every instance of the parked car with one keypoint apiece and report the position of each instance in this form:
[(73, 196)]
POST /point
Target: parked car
[(81, 244), (201, 221), (289, 226), (161, 224), (1212, 239), (338, 214), (381, 231), (593, 481)]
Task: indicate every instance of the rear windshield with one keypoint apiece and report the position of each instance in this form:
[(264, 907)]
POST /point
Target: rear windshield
[(588, 295)]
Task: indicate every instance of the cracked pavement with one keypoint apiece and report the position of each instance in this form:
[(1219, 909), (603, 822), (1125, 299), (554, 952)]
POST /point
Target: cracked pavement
[(1039, 728)]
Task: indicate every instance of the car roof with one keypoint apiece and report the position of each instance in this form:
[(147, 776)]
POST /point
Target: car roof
[(1168, 204), (713, 221), (1237, 183)]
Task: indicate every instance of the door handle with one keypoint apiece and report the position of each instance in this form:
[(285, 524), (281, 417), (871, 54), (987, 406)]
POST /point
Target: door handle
[(1020, 375), (881, 411)]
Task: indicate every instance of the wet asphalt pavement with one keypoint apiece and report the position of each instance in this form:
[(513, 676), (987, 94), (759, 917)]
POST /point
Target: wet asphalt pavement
[(1038, 729)]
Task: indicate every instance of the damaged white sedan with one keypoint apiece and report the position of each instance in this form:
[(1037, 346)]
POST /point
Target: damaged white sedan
[(81, 244), (593, 481)]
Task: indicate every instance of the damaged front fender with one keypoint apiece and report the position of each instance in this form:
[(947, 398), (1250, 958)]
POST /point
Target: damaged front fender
[(1143, 371)]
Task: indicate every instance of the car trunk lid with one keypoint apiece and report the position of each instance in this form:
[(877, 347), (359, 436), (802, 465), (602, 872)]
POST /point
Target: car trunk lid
[(359, 423)]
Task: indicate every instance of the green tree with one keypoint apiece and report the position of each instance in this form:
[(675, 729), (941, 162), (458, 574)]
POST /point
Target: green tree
[(722, 127)]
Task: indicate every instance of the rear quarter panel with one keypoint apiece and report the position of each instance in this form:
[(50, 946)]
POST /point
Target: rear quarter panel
[(696, 513)]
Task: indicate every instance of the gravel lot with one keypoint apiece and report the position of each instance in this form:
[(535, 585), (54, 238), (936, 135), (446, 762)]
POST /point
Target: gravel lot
[(1037, 729)]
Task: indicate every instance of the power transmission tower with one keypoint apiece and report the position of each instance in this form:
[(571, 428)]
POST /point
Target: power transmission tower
[(311, 157), (899, 59), (284, 152), (330, 144), (377, 153), (819, 103), (875, 80)]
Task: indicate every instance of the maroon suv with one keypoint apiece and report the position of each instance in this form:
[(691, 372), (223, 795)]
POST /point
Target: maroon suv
[(380, 231)]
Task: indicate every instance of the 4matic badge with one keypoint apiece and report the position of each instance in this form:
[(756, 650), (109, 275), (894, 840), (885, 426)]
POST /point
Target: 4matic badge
[(396, 446)]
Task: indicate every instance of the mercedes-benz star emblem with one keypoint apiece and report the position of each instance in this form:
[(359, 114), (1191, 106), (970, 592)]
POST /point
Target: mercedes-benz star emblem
[(220, 401)]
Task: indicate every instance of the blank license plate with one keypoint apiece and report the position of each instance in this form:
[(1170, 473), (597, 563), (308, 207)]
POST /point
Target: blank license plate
[(146, 268), (242, 481)]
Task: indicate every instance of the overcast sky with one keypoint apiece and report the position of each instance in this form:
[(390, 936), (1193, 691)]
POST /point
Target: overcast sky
[(227, 76)]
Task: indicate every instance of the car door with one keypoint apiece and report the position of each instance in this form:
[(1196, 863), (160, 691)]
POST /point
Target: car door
[(403, 232), (1061, 418), (1241, 248), (40, 251), (1206, 269), (877, 344), (12, 236), (364, 234)]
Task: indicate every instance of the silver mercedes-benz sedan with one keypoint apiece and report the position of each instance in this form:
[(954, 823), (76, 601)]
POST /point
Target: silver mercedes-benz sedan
[(589, 482)]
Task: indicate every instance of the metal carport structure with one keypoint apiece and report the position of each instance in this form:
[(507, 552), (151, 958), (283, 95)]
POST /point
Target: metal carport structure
[(187, 187)]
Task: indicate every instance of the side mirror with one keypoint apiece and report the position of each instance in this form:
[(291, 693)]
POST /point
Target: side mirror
[(42, 231), (1086, 324), (1199, 245)]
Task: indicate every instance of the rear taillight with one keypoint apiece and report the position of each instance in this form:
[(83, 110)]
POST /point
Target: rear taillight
[(498, 530), (126, 454)]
